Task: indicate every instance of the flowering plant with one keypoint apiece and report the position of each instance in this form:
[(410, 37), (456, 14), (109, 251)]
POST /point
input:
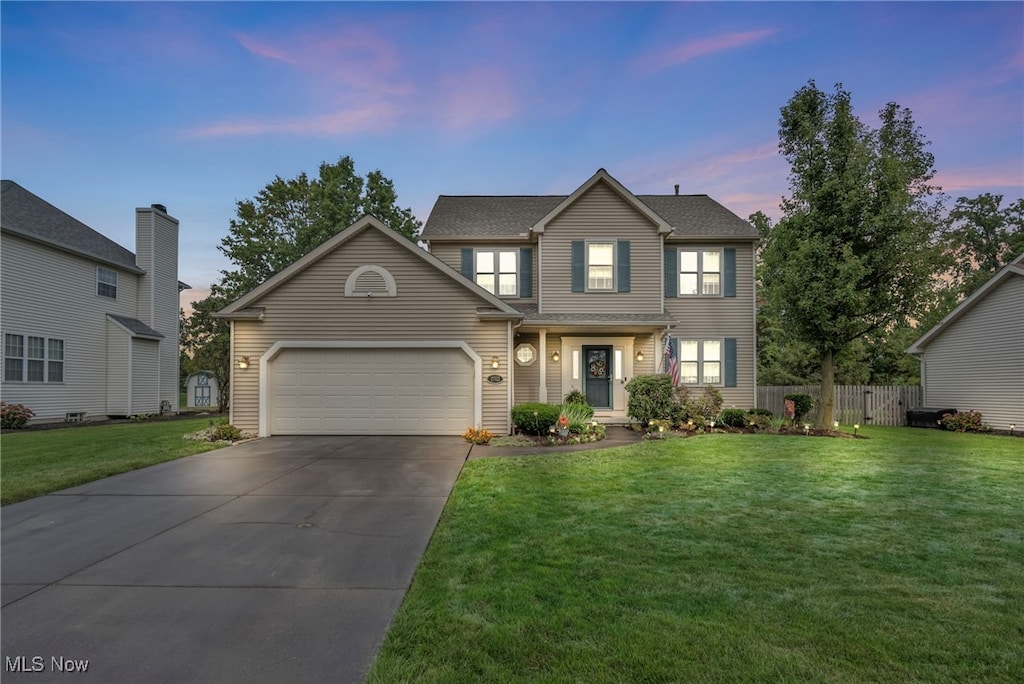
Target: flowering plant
[(477, 435), (14, 416)]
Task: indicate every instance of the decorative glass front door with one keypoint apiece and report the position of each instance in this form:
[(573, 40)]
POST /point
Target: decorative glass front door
[(597, 378)]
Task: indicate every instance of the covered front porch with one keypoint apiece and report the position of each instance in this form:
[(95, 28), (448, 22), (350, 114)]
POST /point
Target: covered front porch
[(557, 354)]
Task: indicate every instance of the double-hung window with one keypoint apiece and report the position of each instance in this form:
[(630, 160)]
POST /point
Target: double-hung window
[(33, 359), (601, 266), (106, 282), (700, 362), (497, 271), (700, 272)]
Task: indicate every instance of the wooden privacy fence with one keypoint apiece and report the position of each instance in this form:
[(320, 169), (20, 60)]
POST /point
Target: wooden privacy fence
[(864, 404)]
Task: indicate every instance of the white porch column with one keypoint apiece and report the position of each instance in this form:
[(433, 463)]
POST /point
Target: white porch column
[(542, 349)]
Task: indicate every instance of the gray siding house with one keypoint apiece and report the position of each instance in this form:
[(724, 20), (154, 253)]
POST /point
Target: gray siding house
[(973, 359), (89, 328), (519, 298)]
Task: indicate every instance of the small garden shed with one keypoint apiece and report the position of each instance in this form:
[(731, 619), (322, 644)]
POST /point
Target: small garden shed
[(201, 390)]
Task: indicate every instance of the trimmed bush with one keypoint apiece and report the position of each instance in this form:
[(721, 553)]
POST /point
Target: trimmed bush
[(802, 405), (760, 412), (736, 418), (576, 397), (534, 418), (968, 421), (650, 398), (14, 416)]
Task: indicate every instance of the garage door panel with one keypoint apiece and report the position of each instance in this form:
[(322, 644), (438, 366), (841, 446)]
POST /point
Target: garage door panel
[(371, 391)]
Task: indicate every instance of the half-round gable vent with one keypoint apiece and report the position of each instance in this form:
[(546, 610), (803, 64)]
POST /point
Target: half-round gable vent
[(370, 281)]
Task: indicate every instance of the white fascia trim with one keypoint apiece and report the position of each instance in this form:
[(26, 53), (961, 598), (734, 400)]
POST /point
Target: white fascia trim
[(280, 345)]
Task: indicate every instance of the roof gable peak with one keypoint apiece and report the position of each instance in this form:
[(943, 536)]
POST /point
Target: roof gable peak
[(602, 176)]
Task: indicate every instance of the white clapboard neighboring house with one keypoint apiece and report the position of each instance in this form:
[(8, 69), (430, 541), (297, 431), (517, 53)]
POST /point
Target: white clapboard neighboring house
[(89, 328), (201, 390), (973, 359)]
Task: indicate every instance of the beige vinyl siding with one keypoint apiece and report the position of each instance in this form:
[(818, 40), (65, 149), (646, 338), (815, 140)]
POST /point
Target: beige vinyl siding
[(157, 253), (118, 370), (311, 306), (600, 214), (145, 359), (704, 317), (650, 364), (51, 293), (527, 379), (977, 363), (451, 254)]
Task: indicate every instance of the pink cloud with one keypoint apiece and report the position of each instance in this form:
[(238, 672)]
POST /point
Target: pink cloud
[(684, 52), (475, 98), (978, 180), (367, 119)]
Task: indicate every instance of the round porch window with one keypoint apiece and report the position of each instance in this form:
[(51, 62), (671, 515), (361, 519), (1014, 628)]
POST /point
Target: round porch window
[(525, 354)]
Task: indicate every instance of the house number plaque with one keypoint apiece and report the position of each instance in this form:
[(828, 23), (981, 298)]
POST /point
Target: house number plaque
[(494, 378)]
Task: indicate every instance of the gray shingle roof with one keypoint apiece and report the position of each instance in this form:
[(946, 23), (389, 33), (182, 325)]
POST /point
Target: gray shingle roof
[(23, 213), (136, 327), (512, 215)]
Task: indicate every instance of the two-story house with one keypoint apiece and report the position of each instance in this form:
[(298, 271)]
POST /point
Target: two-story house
[(89, 328), (519, 298)]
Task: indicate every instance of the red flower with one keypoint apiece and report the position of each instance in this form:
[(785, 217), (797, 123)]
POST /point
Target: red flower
[(563, 421)]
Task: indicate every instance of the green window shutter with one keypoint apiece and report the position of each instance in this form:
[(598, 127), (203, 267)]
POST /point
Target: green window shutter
[(729, 272), (730, 362), (467, 262), (526, 271), (623, 266), (579, 266), (671, 272)]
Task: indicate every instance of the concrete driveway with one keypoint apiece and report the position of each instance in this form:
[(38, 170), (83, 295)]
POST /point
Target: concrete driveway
[(277, 560)]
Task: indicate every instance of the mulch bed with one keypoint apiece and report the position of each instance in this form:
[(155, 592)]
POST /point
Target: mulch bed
[(61, 425)]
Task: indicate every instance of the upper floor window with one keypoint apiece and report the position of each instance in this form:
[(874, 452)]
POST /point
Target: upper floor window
[(106, 282), (601, 266), (700, 272), (33, 359), (700, 362), (497, 271)]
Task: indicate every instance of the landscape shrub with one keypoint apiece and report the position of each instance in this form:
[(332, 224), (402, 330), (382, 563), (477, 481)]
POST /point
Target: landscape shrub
[(760, 421), (14, 416), (477, 435), (578, 415), (802, 405), (707, 406), (968, 421), (534, 418), (650, 398), (575, 397), (736, 418), (760, 412)]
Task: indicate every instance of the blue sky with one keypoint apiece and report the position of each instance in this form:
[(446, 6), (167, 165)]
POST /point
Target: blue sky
[(109, 106)]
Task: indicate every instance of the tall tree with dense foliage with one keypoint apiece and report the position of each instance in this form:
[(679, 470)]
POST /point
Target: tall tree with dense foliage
[(855, 249), (286, 220), (983, 237)]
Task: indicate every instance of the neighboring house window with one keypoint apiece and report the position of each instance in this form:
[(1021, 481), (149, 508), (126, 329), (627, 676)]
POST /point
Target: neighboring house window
[(106, 282), (496, 271), (14, 352), (700, 272), (35, 359), (700, 362), (600, 266)]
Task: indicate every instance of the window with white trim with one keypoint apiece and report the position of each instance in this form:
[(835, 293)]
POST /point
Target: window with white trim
[(700, 362), (497, 271), (600, 266), (700, 272), (106, 282), (33, 359)]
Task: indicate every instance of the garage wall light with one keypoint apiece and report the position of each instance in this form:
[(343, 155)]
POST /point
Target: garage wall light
[(243, 362), (639, 355), (555, 356), (495, 362)]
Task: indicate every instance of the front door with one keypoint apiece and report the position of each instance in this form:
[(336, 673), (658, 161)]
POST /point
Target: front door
[(597, 378)]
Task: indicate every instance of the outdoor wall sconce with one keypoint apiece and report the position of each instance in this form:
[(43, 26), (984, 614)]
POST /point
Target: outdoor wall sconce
[(243, 362), (639, 355), (494, 362), (555, 356)]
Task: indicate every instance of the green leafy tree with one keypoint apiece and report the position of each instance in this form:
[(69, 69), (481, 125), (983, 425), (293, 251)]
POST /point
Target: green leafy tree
[(855, 250), (983, 236), (284, 221)]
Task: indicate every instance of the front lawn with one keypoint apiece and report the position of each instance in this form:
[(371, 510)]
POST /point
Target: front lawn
[(726, 558), (33, 463)]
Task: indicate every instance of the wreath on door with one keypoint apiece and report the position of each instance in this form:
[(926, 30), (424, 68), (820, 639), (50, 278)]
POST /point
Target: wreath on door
[(598, 368)]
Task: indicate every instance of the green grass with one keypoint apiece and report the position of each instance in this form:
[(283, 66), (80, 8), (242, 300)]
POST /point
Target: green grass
[(726, 558), (38, 462)]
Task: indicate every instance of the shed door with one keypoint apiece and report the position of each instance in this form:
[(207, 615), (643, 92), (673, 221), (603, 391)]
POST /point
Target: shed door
[(371, 391)]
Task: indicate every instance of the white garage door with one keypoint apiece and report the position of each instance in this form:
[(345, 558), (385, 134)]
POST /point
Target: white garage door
[(371, 391)]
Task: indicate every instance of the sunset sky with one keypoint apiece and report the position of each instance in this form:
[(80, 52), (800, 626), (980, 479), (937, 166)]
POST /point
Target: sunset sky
[(110, 106)]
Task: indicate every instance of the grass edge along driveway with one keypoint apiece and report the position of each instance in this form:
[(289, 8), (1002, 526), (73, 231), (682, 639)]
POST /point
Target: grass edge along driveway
[(34, 463), (726, 558)]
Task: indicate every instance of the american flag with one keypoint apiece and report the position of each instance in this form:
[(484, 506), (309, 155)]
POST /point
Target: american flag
[(672, 360)]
